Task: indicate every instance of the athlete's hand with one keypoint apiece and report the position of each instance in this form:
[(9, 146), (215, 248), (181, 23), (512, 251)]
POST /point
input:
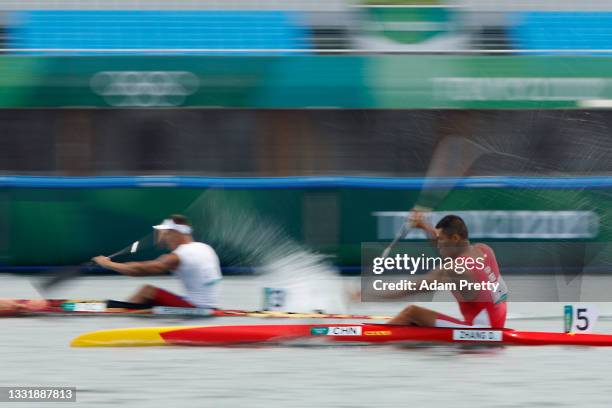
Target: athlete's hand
[(417, 220), (103, 261)]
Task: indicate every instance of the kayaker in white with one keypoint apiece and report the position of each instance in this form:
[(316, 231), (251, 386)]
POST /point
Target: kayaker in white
[(195, 264)]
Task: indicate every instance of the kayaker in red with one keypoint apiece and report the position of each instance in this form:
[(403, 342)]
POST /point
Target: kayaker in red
[(479, 307)]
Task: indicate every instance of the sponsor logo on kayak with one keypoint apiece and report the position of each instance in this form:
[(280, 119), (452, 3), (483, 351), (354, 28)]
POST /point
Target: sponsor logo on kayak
[(67, 306), (477, 335), (84, 307), (337, 331), (377, 332)]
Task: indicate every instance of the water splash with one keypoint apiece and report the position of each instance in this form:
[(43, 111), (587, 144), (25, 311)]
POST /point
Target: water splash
[(244, 237)]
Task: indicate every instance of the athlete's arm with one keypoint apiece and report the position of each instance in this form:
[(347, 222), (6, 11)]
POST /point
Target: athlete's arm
[(147, 268)]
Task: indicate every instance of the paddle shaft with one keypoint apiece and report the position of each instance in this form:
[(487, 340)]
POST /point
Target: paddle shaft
[(401, 233)]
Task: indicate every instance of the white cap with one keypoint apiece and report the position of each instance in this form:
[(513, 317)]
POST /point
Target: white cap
[(169, 224)]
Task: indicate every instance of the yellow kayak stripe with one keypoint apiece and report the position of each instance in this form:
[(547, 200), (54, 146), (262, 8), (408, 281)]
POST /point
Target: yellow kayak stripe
[(131, 337)]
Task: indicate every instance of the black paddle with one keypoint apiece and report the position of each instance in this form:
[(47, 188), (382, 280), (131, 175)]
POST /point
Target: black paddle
[(72, 272)]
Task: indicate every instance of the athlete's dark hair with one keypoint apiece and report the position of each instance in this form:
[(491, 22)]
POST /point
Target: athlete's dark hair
[(180, 219), (453, 224)]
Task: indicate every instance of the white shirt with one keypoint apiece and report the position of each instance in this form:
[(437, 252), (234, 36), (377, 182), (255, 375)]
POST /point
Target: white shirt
[(200, 272)]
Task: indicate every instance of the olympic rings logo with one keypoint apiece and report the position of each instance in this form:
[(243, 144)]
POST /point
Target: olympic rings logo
[(144, 88)]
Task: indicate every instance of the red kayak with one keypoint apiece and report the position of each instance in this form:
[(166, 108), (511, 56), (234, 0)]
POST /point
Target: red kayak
[(333, 333)]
